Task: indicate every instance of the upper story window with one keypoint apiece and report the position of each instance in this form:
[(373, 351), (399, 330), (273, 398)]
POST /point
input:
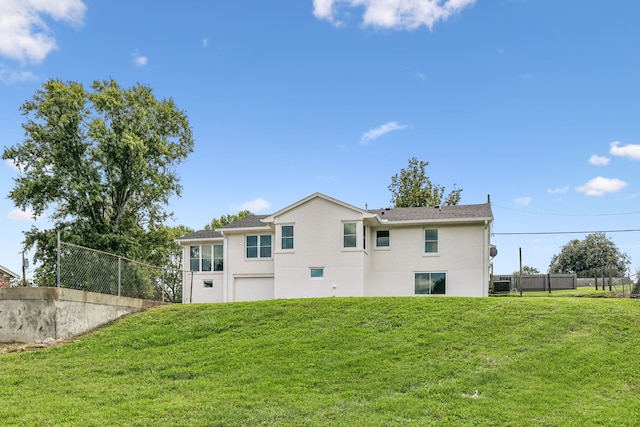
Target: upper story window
[(287, 236), (258, 246), (206, 257), (349, 234), (431, 241), (364, 237), (382, 238)]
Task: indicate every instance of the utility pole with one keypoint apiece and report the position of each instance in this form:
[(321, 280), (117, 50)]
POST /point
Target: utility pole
[(24, 270), (520, 278)]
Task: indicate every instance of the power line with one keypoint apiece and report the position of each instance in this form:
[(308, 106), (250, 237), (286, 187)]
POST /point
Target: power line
[(568, 215), (563, 232)]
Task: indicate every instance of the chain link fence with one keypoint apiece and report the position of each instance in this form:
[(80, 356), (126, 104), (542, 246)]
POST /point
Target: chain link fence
[(91, 270)]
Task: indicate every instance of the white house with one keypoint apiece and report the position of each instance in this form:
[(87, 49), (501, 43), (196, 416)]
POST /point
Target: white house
[(6, 276), (322, 247)]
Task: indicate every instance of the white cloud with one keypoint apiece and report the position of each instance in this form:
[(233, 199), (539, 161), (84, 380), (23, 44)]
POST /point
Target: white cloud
[(599, 186), (24, 35), (140, 60), (13, 76), (396, 14), (420, 76), (599, 160), (629, 150), (20, 215), (523, 201), (255, 205), (561, 190), (205, 42), (376, 133), (13, 165)]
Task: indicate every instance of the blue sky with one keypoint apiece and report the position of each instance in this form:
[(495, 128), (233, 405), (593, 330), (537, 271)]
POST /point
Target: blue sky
[(535, 103)]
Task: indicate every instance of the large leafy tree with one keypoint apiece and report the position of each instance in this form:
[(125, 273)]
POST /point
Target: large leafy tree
[(413, 188), (100, 162), (588, 257), (527, 269)]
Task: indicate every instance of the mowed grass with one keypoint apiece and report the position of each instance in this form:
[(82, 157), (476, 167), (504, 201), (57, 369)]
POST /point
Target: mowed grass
[(341, 362)]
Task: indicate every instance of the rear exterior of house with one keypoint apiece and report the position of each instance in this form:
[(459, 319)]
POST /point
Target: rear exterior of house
[(322, 247), (6, 276)]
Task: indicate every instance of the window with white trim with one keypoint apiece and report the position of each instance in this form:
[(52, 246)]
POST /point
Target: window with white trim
[(382, 238), (431, 241), (317, 272), (287, 237), (206, 258), (349, 236), (430, 283), (258, 246), (218, 258), (194, 258)]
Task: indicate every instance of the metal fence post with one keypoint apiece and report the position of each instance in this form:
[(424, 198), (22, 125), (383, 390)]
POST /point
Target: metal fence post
[(58, 260), (162, 283), (119, 275)]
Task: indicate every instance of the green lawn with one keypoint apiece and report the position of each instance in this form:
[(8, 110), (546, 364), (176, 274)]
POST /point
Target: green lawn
[(341, 362)]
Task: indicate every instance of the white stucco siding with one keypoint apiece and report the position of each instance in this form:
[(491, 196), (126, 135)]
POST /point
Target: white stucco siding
[(318, 243), (195, 287), (253, 288), (193, 283), (238, 263), (460, 256)]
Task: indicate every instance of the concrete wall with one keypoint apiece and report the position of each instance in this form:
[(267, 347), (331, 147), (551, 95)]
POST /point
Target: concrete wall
[(32, 314)]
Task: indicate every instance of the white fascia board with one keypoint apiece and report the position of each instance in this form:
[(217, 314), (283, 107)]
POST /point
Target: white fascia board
[(9, 272)]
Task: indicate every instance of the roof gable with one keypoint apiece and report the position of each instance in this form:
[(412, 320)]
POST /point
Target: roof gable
[(271, 218), (8, 272)]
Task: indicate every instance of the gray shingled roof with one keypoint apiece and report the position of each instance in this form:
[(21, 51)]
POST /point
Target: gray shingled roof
[(202, 234), (389, 214), (435, 213), (246, 222)]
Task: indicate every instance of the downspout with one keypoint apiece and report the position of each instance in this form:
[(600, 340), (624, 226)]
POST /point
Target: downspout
[(485, 260), (225, 268)]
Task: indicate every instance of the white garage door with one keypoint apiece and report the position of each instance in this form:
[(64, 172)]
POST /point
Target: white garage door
[(253, 288)]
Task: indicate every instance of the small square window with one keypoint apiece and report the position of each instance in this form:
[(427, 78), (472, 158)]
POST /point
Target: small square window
[(207, 284), (382, 238), (317, 272)]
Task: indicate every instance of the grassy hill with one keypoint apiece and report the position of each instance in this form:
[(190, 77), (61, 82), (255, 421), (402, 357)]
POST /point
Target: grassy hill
[(341, 362)]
